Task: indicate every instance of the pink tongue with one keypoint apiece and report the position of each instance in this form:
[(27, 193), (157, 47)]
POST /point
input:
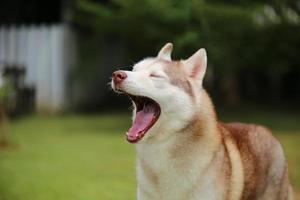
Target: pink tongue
[(142, 120)]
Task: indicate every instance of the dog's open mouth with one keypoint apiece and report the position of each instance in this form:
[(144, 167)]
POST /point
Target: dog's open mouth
[(147, 113)]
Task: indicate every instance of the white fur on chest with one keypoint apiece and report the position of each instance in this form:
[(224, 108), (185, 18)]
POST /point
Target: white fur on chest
[(185, 178)]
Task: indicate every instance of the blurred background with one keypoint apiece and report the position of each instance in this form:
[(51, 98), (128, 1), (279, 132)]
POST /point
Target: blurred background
[(62, 128)]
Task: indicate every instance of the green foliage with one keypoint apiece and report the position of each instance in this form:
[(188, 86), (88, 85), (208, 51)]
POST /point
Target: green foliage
[(186, 23), (138, 23), (258, 36)]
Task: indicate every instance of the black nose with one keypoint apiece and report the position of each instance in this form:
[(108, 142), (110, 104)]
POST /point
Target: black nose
[(119, 76)]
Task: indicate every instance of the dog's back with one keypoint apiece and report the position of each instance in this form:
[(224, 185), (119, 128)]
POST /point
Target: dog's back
[(264, 165)]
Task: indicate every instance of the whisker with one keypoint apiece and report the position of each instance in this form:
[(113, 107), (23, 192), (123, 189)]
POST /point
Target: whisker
[(131, 107)]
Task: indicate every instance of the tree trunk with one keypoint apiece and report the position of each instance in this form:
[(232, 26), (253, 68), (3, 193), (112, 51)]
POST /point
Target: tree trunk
[(4, 133)]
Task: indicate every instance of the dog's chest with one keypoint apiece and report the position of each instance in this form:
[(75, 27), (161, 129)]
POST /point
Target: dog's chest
[(162, 177)]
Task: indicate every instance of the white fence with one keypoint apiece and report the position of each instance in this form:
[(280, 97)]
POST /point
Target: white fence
[(46, 52)]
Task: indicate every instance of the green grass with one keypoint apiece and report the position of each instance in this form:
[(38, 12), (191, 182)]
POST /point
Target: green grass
[(72, 157), (87, 158)]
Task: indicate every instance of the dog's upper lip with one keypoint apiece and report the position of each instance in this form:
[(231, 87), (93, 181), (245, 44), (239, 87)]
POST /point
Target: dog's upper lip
[(118, 90)]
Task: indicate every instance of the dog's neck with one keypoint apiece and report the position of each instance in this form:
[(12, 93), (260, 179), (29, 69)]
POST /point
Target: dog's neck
[(201, 135)]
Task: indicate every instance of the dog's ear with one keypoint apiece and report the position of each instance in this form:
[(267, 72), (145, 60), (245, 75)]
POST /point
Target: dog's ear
[(165, 52), (196, 65)]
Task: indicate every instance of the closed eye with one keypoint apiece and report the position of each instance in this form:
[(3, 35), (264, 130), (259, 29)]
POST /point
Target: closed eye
[(157, 75)]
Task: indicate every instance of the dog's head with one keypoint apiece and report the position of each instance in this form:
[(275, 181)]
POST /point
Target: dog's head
[(165, 93)]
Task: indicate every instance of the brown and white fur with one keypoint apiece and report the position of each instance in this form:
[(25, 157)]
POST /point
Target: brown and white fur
[(188, 154)]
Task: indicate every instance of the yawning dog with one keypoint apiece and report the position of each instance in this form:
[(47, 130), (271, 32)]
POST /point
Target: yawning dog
[(183, 152)]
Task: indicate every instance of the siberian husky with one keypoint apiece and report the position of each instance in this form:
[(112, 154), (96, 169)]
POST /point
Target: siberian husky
[(183, 152)]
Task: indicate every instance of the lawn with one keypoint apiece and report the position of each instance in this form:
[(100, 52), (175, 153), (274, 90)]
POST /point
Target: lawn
[(78, 157)]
